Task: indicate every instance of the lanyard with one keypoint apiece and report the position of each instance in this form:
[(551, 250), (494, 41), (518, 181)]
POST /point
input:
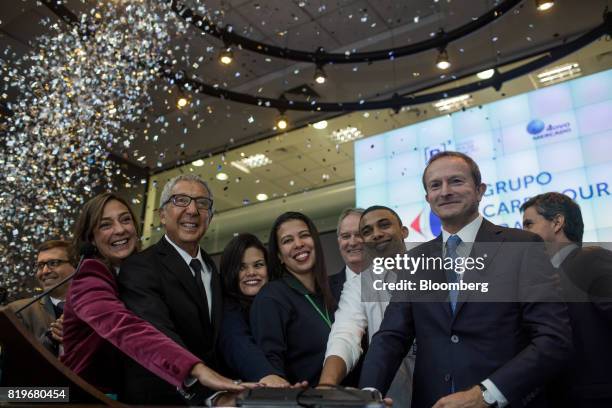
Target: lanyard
[(325, 316)]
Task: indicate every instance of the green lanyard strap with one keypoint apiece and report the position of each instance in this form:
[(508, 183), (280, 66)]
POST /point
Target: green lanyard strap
[(325, 316)]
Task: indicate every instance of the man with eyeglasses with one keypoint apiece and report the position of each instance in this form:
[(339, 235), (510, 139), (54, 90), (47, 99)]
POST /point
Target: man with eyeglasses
[(175, 285), (55, 262)]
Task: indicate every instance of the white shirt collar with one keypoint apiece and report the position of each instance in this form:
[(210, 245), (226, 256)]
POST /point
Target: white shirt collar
[(185, 255), (558, 258), (350, 273), (467, 233), (55, 301)]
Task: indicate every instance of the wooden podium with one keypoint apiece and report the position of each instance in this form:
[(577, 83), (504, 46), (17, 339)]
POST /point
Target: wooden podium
[(25, 362)]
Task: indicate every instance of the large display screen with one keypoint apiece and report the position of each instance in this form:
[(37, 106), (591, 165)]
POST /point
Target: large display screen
[(558, 138)]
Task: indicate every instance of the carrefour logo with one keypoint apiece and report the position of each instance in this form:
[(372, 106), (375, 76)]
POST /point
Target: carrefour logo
[(427, 224), (540, 130), (535, 126)]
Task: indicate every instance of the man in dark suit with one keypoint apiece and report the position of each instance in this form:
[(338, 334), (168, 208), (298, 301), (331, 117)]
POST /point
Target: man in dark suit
[(474, 354), (55, 261), (585, 276), (175, 285), (350, 245)]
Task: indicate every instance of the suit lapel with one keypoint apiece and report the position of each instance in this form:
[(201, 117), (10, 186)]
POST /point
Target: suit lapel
[(173, 261), (49, 310), (488, 241)]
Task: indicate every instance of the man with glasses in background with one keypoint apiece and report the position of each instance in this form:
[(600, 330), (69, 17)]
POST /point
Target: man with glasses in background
[(175, 286), (55, 262)]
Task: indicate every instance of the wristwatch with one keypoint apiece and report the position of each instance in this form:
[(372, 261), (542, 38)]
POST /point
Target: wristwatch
[(487, 397)]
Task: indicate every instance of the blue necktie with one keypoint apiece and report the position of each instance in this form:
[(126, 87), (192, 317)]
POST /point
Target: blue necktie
[(451, 252)]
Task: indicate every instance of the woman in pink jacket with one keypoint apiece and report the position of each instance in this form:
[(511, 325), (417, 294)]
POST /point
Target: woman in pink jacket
[(98, 330)]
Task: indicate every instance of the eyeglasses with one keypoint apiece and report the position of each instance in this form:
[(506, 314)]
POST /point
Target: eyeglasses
[(51, 264), (182, 200)]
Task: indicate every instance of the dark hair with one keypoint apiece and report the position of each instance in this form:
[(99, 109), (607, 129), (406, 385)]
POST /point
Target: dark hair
[(382, 207), (320, 273), (90, 217), (467, 159), (231, 260), (59, 243), (549, 205)]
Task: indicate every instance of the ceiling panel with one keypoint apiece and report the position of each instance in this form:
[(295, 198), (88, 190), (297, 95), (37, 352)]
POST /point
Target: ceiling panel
[(354, 22)]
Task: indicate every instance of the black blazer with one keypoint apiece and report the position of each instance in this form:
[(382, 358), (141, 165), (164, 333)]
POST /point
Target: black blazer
[(518, 345), (586, 276), (289, 330), (244, 359), (158, 286)]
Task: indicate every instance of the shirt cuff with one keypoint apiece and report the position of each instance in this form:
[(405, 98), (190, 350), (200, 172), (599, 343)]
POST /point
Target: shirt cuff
[(495, 393), (210, 401)]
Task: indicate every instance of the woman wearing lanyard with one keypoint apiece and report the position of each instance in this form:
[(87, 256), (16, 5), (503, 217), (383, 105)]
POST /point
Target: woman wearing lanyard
[(291, 317)]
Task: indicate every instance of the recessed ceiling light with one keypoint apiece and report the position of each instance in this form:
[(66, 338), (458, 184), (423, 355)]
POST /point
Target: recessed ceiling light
[(262, 197), (347, 134), (226, 56), (320, 125), (182, 102), (453, 104), (559, 73), (198, 163), (486, 74), (543, 5), (222, 176), (240, 167)]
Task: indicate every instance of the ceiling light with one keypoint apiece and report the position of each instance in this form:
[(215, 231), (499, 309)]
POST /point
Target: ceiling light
[(320, 125), (251, 162), (559, 73), (282, 122), (226, 56), (319, 76), (347, 134), (262, 197), (221, 176), (198, 163), (256, 160), (182, 102), (543, 5), (241, 167), (453, 104), (443, 62), (486, 74)]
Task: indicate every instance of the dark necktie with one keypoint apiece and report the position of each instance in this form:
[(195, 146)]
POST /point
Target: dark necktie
[(451, 252), (59, 309), (196, 265)]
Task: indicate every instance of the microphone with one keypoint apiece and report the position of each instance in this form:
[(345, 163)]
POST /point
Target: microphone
[(86, 250)]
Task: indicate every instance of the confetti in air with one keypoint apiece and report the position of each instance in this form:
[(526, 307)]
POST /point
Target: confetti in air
[(78, 89)]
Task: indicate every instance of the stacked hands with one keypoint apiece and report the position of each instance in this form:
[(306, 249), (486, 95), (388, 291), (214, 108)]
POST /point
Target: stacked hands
[(235, 388)]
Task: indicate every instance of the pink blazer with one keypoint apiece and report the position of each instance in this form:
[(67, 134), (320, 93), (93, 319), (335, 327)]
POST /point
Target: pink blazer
[(96, 322)]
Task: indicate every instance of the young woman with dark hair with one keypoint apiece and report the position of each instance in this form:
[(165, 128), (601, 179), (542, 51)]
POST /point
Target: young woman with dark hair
[(244, 270), (291, 317), (97, 326)]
